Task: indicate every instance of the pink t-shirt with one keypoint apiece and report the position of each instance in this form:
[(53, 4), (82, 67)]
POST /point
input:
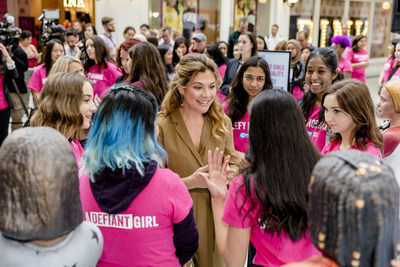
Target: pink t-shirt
[(316, 132), (240, 130), (345, 66), (221, 70), (102, 80), (335, 146), (272, 250), (3, 101), (357, 57), (391, 140), (396, 75), (297, 92), (78, 152), (143, 234), (38, 78), (387, 68)]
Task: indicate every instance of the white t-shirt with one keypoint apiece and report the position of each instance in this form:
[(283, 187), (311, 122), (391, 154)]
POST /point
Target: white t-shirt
[(82, 247), (272, 41)]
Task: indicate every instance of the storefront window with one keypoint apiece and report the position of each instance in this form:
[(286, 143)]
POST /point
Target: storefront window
[(301, 15), (187, 16), (381, 31), (330, 21), (358, 18), (247, 9)]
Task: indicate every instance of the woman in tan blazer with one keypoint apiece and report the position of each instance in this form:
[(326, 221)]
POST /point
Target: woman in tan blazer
[(191, 123)]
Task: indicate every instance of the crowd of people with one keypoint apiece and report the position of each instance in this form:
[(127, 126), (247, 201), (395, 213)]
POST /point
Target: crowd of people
[(142, 154)]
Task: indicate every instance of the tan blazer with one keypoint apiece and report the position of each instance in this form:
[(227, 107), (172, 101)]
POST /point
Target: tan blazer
[(185, 159)]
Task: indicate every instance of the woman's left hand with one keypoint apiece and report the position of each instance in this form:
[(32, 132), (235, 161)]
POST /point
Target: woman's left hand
[(216, 181)]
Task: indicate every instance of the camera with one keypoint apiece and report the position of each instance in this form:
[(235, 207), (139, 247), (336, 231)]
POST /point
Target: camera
[(49, 29), (8, 34)]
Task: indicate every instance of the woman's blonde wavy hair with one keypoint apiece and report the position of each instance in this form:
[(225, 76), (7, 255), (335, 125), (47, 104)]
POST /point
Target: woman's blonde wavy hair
[(62, 64), (189, 66), (59, 103)]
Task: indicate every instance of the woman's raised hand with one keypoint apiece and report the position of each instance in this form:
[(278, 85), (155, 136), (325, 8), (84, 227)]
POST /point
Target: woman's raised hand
[(216, 180)]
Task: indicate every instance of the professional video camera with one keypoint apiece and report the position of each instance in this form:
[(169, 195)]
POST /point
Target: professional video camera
[(7, 32), (49, 29)]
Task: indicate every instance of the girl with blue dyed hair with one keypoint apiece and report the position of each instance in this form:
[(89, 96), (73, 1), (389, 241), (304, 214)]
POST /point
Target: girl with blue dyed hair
[(128, 196)]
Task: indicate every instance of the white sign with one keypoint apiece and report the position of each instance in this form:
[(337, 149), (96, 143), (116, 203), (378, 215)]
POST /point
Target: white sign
[(74, 3), (279, 67)]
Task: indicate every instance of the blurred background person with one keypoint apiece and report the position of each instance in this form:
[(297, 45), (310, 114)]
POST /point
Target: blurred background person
[(247, 45), (122, 59), (274, 38), (20, 99), (339, 44), (71, 38), (146, 69), (129, 33), (99, 66), (261, 44), (389, 108), (166, 58), (181, 48), (390, 62), (223, 46), (358, 56), (68, 64), (108, 36), (54, 50), (7, 70)]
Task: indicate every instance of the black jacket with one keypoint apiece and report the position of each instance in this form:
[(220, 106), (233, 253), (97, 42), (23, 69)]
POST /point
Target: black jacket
[(231, 70), (21, 63)]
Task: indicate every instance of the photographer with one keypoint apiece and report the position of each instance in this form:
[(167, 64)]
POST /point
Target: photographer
[(7, 70), (21, 62)]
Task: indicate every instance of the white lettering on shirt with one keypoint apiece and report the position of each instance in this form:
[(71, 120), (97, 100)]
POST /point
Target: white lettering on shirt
[(241, 125), (122, 221), (95, 76)]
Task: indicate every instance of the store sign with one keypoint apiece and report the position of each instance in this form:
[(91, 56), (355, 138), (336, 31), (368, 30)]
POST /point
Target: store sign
[(279, 67), (74, 3)]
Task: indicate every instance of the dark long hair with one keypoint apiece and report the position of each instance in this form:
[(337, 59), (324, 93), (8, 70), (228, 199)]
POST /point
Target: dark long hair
[(215, 54), (163, 49), (239, 99), (101, 52), (353, 97), (147, 67), (281, 157), (180, 40), (48, 63), (354, 207), (330, 59)]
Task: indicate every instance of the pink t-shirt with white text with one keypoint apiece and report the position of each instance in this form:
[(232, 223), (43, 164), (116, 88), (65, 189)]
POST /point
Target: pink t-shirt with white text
[(335, 146), (143, 234), (387, 68), (240, 130), (345, 65), (38, 78), (102, 80), (272, 250), (357, 57), (316, 132), (3, 101)]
